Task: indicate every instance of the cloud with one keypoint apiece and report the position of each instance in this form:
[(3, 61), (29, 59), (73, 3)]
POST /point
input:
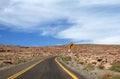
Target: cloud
[(94, 30), (100, 2), (109, 40), (93, 21)]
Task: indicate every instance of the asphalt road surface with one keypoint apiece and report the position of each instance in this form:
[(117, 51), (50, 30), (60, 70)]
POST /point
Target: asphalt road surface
[(47, 69)]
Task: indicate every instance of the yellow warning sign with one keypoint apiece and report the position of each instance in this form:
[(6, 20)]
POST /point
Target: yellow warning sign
[(71, 46)]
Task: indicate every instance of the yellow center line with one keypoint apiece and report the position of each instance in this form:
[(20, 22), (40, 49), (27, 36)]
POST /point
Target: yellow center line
[(70, 73), (24, 70)]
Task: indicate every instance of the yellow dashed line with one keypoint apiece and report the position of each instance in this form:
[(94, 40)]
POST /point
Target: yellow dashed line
[(24, 70), (71, 74)]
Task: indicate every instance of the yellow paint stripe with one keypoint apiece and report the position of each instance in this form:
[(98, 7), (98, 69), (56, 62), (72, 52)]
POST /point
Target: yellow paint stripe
[(24, 70), (71, 74)]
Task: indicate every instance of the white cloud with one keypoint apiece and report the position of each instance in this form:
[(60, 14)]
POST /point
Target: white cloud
[(109, 40), (96, 20), (99, 1), (98, 31)]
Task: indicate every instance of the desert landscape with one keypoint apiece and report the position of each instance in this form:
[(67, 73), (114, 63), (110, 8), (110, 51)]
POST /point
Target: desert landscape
[(17, 54), (60, 39), (95, 61), (87, 57)]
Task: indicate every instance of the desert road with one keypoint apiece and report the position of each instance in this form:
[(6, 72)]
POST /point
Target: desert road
[(49, 68)]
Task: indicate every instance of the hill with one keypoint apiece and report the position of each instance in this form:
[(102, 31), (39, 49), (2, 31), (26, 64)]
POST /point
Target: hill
[(83, 52)]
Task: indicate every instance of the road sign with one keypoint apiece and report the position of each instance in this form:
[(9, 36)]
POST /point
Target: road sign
[(71, 46)]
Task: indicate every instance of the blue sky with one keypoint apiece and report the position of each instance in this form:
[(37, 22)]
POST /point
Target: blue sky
[(56, 22)]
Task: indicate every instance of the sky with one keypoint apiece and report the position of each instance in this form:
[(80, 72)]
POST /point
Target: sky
[(58, 22)]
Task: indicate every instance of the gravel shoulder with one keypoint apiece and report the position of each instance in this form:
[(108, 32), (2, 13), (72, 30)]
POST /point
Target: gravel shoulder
[(86, 74)]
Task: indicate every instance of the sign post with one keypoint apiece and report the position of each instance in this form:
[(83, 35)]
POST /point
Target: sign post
[(71, 47)]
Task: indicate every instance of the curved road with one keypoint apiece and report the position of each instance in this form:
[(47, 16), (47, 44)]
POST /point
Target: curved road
[(46, 69)]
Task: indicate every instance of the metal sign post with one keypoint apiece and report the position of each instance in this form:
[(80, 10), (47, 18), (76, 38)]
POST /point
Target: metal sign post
[(71, 47)]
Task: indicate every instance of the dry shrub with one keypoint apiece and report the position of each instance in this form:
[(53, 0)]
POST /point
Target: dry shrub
[(115, 67), (101, 66), (110, 76), (89, 67)]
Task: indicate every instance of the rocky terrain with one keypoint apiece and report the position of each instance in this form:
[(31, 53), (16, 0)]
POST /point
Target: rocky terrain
[(17, 54), (98, 54), (84, 55), (94, 61)]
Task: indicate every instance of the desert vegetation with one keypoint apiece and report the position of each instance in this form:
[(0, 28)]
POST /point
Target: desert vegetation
[(110, 76), (91, 61), (94, 61), (13, 55), (115, 67)]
